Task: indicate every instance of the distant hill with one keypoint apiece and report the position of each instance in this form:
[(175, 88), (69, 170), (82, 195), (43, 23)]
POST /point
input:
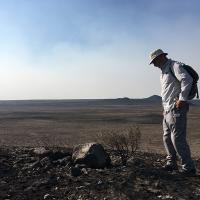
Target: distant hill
[(152, 100), (155, 99)]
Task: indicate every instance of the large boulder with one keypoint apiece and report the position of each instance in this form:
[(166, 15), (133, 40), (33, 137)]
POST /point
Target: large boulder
[(91, 154)]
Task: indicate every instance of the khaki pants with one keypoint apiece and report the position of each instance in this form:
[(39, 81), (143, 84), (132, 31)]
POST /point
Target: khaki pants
[(174, 137)]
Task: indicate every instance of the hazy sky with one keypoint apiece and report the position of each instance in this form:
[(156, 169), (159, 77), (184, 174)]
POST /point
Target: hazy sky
[(65, 49)]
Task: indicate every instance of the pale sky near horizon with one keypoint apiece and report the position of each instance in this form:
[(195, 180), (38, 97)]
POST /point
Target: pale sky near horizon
[(75, 49)]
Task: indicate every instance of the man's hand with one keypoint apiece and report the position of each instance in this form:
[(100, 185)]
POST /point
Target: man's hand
[(180, 104)]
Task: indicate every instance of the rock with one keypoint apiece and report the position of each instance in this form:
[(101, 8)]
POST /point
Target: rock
[(57, 154), (116, 161), (5, 169), (91, 154), (40, 182), (41, 151), (48, 197), (45, 161), (3, 182), (33, 165), (75, 171), (84, 171), (131, 162), (81, 166), (80, 187), (99, 182), (63, 162)]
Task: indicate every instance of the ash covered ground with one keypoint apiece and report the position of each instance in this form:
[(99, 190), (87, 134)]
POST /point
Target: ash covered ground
[(27, 175)]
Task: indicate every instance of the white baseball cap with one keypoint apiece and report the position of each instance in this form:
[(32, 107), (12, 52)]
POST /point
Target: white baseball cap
[(155, 54)]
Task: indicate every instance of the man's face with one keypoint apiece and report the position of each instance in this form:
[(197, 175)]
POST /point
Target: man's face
[(158, 61)]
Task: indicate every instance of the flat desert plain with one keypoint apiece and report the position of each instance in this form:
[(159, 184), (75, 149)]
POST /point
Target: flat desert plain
[(66, 123)]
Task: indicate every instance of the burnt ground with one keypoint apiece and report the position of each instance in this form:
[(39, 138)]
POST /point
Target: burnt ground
[(27, 175)]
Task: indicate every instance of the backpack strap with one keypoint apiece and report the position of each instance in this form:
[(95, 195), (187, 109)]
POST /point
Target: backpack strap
[(170, 69)]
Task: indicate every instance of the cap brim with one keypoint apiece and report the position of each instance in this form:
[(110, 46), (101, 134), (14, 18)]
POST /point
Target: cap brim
[(157, 56)]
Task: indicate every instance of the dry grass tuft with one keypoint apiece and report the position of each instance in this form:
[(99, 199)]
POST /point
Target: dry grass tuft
[(124, 142)]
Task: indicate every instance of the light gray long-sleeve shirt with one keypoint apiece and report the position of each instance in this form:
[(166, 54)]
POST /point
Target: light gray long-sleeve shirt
[(171, 88)]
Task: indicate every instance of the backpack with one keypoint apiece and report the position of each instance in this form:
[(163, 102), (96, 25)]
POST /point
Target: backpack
[(194, 89)]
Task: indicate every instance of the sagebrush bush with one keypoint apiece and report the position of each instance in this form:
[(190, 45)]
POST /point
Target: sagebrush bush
[(123, 142)]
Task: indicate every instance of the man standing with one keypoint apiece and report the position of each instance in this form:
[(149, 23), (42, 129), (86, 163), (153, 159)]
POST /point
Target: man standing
[(175, 88)]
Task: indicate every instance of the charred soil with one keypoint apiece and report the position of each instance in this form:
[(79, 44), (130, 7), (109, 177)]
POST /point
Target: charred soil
[(25, 174)]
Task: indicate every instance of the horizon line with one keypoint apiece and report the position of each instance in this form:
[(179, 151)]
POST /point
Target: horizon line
[(62, 99)]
